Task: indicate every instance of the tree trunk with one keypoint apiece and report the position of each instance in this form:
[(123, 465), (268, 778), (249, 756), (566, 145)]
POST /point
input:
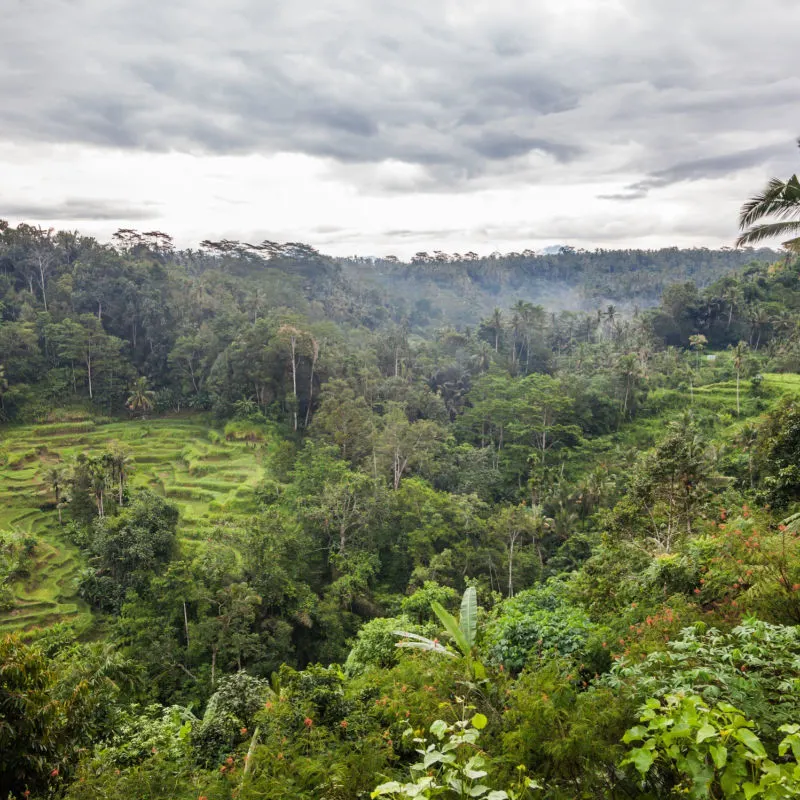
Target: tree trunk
[(511, 565), (310, 392), (186, 623), (42, 284), (213, 666), (294, 380), (89, 374), (738, 410)]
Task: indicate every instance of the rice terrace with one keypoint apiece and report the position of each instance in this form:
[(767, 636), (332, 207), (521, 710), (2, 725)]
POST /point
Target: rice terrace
[(209, 475)]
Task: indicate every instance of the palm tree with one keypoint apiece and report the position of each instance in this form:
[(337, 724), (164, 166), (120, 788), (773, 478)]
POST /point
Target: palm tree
[(495, 323), (611, 315), (739, 353), (56, 478), (779, 200), (759, 318), (698, 342), (120, 461), (141, 398)]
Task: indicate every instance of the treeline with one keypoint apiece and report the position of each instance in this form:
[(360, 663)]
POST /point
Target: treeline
[(571, 278), (271, 323)]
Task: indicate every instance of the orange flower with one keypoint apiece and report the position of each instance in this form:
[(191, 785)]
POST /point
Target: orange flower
[(343, 723), (54, 773), (243, 731), (308, 722)]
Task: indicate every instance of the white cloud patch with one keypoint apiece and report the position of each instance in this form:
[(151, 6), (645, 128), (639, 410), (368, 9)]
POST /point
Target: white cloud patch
[(462, 125)]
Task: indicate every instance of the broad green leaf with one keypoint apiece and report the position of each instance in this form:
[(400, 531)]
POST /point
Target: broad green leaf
[(750, 790), (431, 758), (387, 788), (451, 626), (706, 732), (438, 728), (634, 734), (731, 779), (719, 754), (479, 721), (478, 791), (497, 794), (429, 647), (468, 620), (750, 741), (642, 759)]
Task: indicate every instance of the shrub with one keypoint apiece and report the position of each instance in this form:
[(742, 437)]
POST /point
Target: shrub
[(536, 624)]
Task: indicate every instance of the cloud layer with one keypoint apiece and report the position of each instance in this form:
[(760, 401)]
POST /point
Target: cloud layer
[(619, 99)]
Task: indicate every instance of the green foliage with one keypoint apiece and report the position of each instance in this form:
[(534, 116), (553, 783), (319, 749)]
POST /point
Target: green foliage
[(379, 459), (451, 766), (778, 455), (127, 549), (16, 557), (755, 667), (536, 625), (375, 644), (418, 605), (229, 715), (710, 751)]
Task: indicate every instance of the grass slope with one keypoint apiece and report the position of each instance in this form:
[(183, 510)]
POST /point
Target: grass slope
[(209, 478), (712, 405)]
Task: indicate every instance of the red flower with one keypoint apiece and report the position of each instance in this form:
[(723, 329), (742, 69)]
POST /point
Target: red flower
[(308, 722), (54, 773), (343, 723)]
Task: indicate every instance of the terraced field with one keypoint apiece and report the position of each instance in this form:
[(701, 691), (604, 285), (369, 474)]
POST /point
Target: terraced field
[(208, 477)]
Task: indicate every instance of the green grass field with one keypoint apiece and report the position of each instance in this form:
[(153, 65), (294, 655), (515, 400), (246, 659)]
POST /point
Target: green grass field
[(208, 477)]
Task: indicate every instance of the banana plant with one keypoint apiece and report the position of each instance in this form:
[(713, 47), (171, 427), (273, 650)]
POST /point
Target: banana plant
[(463, 631)]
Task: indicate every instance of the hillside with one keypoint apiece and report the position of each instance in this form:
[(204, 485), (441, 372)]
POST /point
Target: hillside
[(210, 479), (236, 480)]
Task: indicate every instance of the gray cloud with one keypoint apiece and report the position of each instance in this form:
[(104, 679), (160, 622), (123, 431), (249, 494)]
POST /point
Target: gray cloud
[(79, 209), (701, 169), (474, 95)]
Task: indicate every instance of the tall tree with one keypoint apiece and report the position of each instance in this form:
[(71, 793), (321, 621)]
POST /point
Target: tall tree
[(738, 354), (141, 398)]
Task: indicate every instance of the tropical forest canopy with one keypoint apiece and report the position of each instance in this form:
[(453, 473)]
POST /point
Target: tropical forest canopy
[(236, 478)]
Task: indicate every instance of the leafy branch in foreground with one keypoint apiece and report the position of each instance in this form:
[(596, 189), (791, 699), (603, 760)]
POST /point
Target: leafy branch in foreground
[(711, 751), (452, 766), (779, 200)]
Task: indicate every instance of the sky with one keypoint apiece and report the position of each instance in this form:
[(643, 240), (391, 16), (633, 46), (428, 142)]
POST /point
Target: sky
[(378, 127)]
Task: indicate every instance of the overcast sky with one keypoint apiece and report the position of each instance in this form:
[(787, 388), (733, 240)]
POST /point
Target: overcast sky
[(390, 126)]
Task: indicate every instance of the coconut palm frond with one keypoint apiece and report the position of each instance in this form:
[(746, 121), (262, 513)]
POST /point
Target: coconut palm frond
[(770, 230), (773, 198)]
